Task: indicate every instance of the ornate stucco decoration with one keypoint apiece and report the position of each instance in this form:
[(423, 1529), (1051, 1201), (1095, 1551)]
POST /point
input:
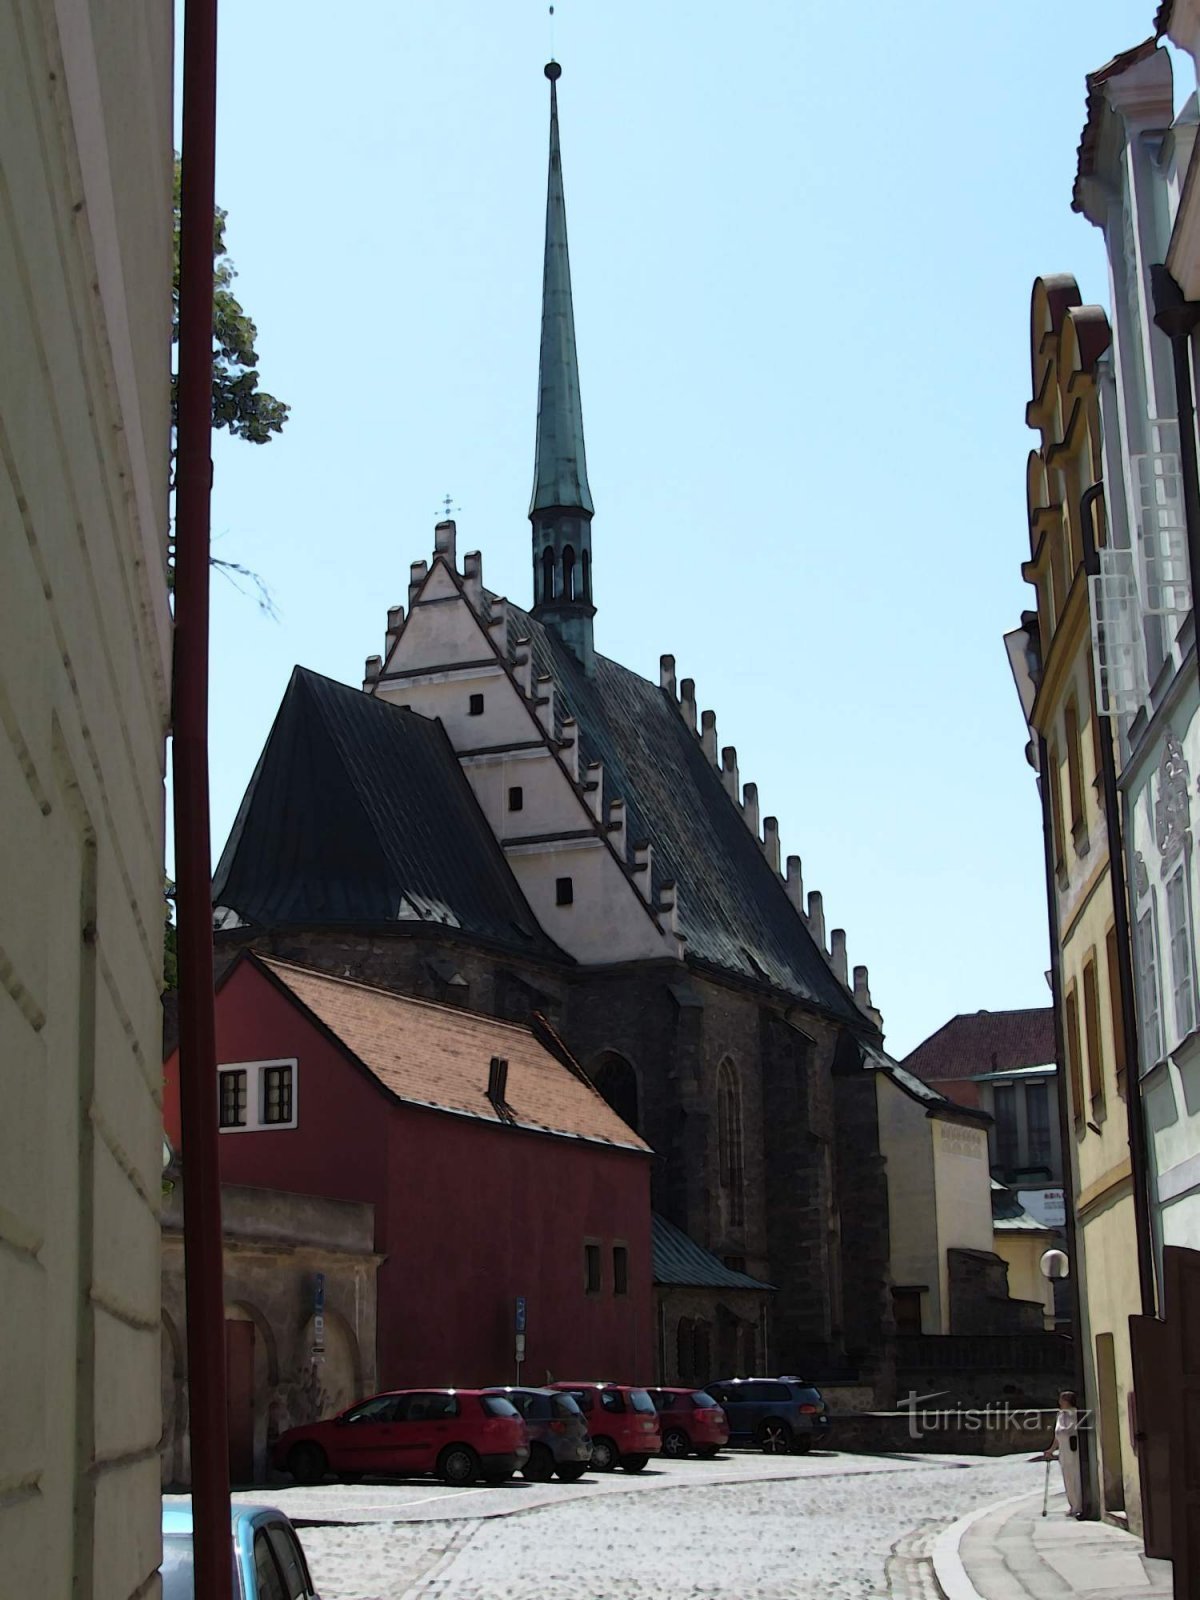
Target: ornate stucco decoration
[(1172, 814)]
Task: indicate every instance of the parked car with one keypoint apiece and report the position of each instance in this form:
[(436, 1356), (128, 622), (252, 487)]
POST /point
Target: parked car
[(268, 1562), (558, 1435), (622, 1422), (459, 1434), (776, 1414), (690, 1419)]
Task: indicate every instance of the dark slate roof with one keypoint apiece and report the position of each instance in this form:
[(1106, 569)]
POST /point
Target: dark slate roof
[(681, 1261), (1009, 1215), (934, 1101), (358, 812), (733, 906), (981, 1042)]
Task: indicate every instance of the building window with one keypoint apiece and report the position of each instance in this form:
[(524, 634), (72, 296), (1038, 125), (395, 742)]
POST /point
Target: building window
[(1091, 1025), (516, 798), (1074, 770), (729, 1144), (1053, 779), (620, 1269), (1037, 1117), (475, 705), (1004, 1108), (1074, 1065), (233, 1099), (564, 891), (1114, 1007), (1180, 934), (1149, 1013), (591, 1268), (257, 1095)]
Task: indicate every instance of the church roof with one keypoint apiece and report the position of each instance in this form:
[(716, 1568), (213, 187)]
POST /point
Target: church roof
[(359, 813), (681, 1262), (733, 906)]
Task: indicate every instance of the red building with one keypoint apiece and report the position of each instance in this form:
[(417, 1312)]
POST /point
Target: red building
[(495, 1169)]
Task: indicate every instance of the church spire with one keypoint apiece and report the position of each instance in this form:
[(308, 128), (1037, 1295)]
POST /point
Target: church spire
[(561, 506)]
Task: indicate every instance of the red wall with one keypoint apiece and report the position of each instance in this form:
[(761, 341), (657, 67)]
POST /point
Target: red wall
[(468, 1214)]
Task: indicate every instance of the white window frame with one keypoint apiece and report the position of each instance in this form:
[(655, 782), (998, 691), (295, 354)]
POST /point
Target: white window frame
[(1148, 986), (1179, 943), (256, 1094)]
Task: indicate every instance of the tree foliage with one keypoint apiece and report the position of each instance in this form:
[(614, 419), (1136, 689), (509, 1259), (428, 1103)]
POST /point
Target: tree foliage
[(238, 404)]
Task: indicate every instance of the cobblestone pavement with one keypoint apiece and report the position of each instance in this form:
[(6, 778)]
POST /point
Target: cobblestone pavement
[(747, 1527)]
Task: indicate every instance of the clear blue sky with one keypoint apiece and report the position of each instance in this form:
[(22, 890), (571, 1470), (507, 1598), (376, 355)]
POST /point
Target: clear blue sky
[(803, 239)]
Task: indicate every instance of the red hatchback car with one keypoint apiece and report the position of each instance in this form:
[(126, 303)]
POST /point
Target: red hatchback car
[(690, 1419), (459, 1434), (622, 1422)]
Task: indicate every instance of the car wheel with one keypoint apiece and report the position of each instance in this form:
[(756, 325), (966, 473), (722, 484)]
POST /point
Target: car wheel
[(675, 1443), (458, 1464), (571, 1471), (633, 1463), (604, 1455), (540, 1466), (773, 1437), (708, 1452), (307, 1463)]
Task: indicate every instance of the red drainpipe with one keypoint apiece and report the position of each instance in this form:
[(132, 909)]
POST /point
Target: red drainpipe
[(197, 1030)]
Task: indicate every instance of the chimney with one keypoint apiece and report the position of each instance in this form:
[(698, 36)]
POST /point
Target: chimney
[(373, 669), (816, 918), (445, 536), (616, 826), (473, 579), (750, 807), (771, 841), (570, 746), (708, 735), (395, 623), (523, 668), (666, 674), (416, 577), (837, 956), (862, 989), (729, 772), (593, 787), (545, 702), (687, 704), (497, 1089), (795, 883)]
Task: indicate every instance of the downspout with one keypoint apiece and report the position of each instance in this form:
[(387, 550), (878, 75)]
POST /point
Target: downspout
[(193, 859), (1064, 1112), (1116, 874)]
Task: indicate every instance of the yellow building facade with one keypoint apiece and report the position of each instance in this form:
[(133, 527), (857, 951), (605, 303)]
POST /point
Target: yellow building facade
[(1069, 345)]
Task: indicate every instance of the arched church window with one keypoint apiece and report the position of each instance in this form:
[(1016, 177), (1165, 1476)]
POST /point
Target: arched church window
[(568, 583), (617, 1082), (547, 574), (730, 1154), (585, 562), (683, 1350)]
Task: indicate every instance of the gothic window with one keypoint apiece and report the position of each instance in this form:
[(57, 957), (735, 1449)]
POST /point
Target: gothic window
[(617, 1082), (585, 561), (729, 1144), (547, 574), (568, 583), (683, 1350)]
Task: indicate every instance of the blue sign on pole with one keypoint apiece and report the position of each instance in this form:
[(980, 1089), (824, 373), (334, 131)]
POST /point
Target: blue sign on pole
[(319, 1293), (520, 1313)]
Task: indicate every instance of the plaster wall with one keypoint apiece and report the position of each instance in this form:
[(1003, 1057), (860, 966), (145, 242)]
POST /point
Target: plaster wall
[(1023, 1252), (963, 1195), (85, 273), (906, 1140)]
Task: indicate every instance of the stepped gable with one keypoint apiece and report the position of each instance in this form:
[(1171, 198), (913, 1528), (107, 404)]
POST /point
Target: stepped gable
[(359, 813), (734, 909)]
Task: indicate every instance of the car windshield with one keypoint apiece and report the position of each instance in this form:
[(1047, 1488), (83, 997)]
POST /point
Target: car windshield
[(497, 1406), (178, 1572), (641, 1401), (564, 1405), (702, 1399)]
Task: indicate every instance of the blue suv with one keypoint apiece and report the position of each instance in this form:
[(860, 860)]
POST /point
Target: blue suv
[(777, 1414)]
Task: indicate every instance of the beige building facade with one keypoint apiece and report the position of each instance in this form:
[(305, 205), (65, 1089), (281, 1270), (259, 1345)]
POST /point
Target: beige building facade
[(85, 282)]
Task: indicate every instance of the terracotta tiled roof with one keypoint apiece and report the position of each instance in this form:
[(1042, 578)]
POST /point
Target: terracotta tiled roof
[(985, 1041), (433, 1055)]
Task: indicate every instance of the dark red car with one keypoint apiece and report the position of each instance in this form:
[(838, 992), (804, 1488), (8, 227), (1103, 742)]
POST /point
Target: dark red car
[(622, 1422), (459, 1434), (691, 1420)]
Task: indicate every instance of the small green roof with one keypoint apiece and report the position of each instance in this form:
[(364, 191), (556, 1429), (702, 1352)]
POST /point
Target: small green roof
[(681, 1261)]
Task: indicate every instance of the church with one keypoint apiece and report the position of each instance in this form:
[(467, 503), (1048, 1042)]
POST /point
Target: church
[(505, 820)]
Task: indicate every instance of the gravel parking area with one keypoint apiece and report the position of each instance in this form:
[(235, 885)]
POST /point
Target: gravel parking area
[(742, 1527)]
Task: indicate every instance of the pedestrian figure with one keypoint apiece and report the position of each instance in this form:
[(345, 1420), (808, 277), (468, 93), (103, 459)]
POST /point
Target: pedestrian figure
[(1066, 1448)]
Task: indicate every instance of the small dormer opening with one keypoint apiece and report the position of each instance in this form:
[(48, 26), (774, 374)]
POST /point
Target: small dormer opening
[(564, 891), (516, 798), (498, 1082), (475, 705)]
